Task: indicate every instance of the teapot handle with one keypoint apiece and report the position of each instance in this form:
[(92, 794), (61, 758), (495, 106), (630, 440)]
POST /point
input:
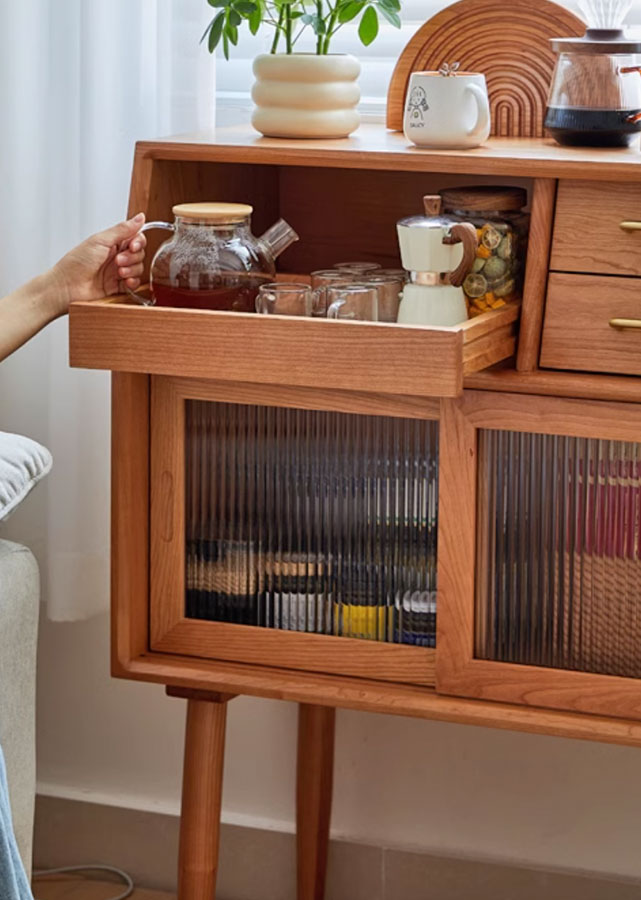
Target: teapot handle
[(465, 233), (137, 298)]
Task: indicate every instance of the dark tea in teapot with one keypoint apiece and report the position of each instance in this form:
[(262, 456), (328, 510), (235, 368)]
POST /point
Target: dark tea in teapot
[(213, 261)]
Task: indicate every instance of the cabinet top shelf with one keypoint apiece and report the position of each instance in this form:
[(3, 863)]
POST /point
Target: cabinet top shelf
[(374, 147)]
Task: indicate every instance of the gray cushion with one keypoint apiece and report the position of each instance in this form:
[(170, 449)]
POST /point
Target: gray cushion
[(23, 463)]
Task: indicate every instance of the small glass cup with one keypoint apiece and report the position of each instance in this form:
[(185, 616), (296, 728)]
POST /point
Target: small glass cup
[(357, 268), (389, 288), (352, 301), (321, 280), (285, 299)]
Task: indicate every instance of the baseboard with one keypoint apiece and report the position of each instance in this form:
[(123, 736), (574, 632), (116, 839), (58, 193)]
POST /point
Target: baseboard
[(259, 864)]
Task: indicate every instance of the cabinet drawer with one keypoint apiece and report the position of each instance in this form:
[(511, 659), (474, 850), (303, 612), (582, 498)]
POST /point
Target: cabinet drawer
[(588, 236), (275, 350), (577, 333)]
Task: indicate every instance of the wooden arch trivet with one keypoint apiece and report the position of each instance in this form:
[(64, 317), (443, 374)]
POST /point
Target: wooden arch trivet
[(506, 40)]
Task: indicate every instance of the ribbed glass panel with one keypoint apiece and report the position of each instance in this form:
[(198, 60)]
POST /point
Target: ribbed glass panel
[(312, 521), (558, 559)]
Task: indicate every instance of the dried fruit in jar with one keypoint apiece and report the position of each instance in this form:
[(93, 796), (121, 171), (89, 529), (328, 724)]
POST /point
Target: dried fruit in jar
[(475, 285), (504, 288), (477, 265), (494, 269), (490, 237), (506, 247)]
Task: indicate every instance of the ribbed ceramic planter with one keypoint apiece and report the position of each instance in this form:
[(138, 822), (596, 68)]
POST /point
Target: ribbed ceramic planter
[(306, 96)]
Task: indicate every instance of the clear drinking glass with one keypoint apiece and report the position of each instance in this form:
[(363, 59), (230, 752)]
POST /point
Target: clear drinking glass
[(388, 288), (321, 280), (401, 274), (357, 267), (285, 299), (352, 301)]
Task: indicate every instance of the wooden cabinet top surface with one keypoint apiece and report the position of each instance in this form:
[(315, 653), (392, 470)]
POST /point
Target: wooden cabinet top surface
[(374, 147)]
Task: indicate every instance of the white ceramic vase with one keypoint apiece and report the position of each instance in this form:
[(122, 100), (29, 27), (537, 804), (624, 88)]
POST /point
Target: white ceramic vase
[(301, 95)]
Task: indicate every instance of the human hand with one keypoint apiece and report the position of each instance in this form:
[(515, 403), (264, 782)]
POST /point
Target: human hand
[(102, 265)]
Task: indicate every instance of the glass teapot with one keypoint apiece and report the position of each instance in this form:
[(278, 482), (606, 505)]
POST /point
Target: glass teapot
[(213, 261)]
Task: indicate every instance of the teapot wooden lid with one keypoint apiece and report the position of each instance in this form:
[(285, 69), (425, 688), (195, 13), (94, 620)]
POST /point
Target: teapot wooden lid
[(223, 213)]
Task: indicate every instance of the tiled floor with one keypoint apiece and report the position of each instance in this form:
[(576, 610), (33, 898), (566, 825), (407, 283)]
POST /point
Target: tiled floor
[(77, 887)]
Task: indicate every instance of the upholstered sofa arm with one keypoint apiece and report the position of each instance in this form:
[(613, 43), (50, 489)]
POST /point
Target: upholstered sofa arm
[(19, 606)]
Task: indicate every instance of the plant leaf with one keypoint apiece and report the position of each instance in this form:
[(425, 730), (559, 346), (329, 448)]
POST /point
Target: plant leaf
[(206, 32), (225, 45), (245, 7), (216, 31), (232, 33), (349, 11), (390, 4), (234, 18), (218, 3), (255, 20), (316, 22), (392, 17), (368, 28)]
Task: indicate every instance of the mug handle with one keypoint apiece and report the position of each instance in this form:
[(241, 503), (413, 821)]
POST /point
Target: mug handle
[(482, 123), (334, 309), (319, 296), (137, 298)]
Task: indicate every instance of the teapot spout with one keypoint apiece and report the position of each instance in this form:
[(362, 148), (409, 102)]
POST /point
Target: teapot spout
[(279, 237)]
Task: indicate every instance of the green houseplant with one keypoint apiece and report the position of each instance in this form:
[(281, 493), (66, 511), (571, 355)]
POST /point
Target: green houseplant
[(301, 95)]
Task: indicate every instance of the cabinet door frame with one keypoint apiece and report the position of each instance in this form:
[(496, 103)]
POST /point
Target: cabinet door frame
[(170, 631), (458, 671)]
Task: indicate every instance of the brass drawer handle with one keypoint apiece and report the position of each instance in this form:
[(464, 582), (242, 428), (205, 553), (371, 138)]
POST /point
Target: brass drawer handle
[(625, 323), (630, 226)]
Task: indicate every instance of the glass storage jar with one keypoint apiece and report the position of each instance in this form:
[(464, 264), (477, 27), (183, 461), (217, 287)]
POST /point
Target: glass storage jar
[(502, 228)]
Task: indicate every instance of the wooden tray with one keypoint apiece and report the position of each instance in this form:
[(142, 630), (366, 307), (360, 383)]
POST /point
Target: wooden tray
[(507, 41)]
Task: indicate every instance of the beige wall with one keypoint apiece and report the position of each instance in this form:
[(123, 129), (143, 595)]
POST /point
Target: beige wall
[(447, 788)]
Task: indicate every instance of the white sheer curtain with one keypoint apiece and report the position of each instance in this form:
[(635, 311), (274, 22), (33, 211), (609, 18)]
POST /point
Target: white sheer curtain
[(80, 82)]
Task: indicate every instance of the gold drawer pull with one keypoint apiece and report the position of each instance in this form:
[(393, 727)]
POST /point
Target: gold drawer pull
[(625, 323), (630, 226)]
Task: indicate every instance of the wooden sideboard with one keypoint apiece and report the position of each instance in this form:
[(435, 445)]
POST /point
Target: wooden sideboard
[(533, 412)]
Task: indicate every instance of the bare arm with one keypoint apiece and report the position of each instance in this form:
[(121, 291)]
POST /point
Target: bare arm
[(96, 268)]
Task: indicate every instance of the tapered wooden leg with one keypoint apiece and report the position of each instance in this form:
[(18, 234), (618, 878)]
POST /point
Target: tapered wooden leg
[(201, 793), (316, 725)]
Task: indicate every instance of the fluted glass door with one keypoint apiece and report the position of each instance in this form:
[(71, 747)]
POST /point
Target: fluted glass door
[(310, 521), (558, 557)]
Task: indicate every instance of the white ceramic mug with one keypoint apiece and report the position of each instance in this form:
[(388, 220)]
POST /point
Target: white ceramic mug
[(447, 111)]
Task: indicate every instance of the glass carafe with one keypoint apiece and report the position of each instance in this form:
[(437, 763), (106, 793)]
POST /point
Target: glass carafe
[(595, 96), (213, 261)]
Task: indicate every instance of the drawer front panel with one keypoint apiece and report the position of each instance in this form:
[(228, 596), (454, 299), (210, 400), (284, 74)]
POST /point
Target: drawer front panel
[(577, 333), (588, 236), (373, 357)]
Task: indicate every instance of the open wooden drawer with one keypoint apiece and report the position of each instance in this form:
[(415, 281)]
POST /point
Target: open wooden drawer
[(359, 356)]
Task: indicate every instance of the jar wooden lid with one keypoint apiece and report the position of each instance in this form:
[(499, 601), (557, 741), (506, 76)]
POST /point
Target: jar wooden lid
[(502, 199), (223, 213)]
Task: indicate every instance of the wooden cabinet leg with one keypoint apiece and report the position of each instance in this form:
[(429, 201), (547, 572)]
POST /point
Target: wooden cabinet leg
[(315, 771), (201, 793)]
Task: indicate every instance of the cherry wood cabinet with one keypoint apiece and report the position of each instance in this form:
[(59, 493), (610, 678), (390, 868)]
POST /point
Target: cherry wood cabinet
[(406, 520)]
